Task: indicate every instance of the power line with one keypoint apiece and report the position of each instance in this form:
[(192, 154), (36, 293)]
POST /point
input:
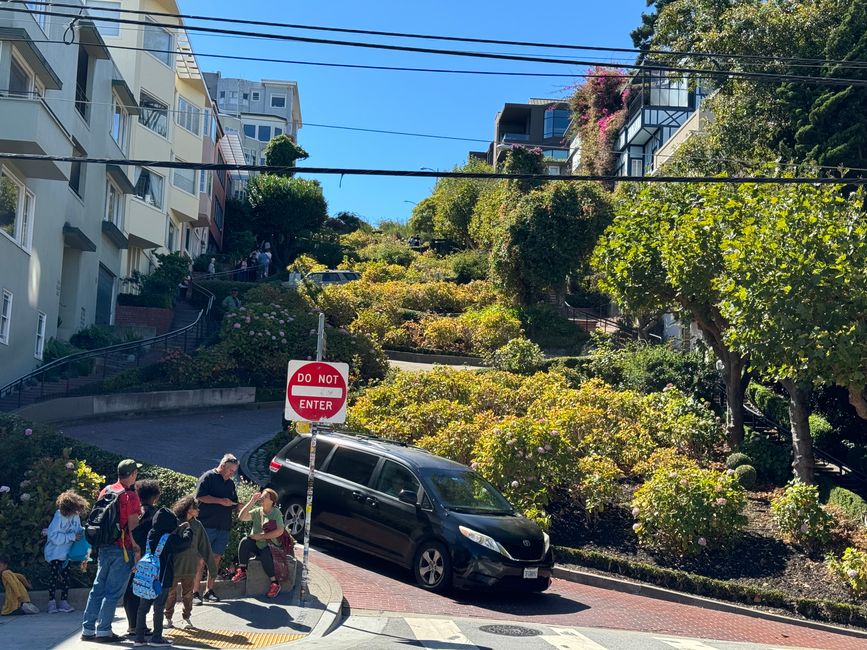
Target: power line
[(465, 39), (412, 173), (832, 81)]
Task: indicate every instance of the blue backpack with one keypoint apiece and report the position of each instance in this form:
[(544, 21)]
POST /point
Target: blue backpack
[(146, 581)]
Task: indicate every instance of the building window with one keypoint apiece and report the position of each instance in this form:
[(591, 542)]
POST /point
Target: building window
[(109, 12), (278, 101), (245, 96), (555, 154), (556, 122), (6, 317), (636, 168), (208, 122), (264, 133), (184, 179), (668, 91), (113, 205), (120, 123), (150, 187), (40, 18), (256, 96), (40, 335), (21, 79), (277, 131), (159, 44), (553, 170), (154, 115), (76, 178), (202, 181), (82, 82), (218, 215), (249, 130), (16, 209), (233, 94), (222, 94), (188, 232), (188, 115), (172, 236)]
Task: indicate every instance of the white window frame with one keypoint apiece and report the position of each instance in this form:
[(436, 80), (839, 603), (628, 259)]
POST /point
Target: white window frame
[(273, 97), (118, 108), (118, 217), (165, 108), (24, 211), (5, 316), (171, 235), (103, 16), (170, 49), (41, 321), (32, 82), (175, 175), (255, 96), (142, 200), (632, 165), (186, 114)]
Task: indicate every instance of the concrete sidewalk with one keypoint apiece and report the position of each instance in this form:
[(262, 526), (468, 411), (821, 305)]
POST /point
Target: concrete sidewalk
[(250, 622)]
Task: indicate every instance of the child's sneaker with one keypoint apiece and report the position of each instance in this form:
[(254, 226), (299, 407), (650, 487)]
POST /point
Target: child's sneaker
[(274, 590), (240, 574), (52, 607), (64, 607), (29, 608), (197, 598)]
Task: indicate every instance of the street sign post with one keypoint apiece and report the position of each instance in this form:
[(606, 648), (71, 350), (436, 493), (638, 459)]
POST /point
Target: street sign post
[(316, 393)]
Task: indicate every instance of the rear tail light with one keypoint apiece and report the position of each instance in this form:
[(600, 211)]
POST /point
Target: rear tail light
[(274, 466)]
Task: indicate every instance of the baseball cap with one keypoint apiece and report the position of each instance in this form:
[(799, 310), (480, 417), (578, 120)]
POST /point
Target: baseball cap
[(127, 467)]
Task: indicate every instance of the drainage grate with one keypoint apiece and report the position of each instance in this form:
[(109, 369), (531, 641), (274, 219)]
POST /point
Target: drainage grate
[(510, 630)]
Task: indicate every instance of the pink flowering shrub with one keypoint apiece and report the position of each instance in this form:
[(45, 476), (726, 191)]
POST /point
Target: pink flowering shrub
[(851, 570), (681, 510), (799, 515)]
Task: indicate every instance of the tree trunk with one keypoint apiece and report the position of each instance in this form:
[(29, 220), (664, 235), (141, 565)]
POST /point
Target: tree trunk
[(736, 381), (802, 440), (858, 400)]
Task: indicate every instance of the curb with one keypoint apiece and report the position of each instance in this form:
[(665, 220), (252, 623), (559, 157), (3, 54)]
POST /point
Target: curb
[(660, 593), (332, 617), (245, 469)]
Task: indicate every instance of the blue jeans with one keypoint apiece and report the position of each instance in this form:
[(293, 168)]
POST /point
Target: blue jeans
[(112, 575)]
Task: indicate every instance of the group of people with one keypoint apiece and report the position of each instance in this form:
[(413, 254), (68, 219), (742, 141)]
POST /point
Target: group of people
[(187, 537), (256, 266)]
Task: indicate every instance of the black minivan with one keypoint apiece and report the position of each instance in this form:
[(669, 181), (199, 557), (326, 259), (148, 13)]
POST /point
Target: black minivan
[(429, 514)]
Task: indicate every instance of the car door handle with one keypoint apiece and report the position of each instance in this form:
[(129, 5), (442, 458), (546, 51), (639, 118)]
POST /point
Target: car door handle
[(358, 496), (372, 501)]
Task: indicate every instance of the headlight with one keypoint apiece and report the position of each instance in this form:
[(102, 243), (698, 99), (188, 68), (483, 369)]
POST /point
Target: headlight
[(547, 539), (483, 540)]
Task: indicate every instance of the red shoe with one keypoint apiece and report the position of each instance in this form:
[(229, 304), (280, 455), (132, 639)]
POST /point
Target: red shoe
[(274, 590), (240, 574)]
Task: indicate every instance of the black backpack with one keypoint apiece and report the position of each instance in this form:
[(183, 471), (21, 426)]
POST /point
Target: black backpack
[(103, 522)]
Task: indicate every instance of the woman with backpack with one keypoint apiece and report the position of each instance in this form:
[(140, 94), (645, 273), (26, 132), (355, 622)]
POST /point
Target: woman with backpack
[(267, 529), (64, 531), (155, 573)]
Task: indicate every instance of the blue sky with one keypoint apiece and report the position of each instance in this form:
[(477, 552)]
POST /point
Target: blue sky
[(455, 105)]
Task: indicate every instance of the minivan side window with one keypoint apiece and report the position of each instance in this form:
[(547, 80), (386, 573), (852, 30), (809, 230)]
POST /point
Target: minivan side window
[(352, 465), (394, 478), (300, 453)]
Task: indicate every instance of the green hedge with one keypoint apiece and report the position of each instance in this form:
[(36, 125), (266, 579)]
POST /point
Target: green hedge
[(772, 405), (820, 610)]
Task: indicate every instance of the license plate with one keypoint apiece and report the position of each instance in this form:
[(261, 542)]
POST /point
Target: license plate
[(531, 574)]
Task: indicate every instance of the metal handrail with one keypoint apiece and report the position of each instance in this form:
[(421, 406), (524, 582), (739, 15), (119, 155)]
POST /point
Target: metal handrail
[(613, 323), (105, 351)]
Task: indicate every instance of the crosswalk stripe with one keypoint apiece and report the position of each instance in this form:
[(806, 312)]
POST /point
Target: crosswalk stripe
[(685, 644), (567, 639), (439, 633)]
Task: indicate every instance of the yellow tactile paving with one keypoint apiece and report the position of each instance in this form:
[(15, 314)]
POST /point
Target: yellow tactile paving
[(230, 638)]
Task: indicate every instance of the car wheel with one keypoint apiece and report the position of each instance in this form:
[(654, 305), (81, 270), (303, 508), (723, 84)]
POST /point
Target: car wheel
[(433, 566), (294, 516)]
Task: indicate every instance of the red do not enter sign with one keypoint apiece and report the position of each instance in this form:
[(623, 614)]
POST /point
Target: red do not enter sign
[(316, 391)]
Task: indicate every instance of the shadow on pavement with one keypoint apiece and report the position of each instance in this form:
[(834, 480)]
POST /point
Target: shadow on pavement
[(509, 602), (262, 616)]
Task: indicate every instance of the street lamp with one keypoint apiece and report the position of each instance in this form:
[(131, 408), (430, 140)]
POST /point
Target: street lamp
[(408, 201)]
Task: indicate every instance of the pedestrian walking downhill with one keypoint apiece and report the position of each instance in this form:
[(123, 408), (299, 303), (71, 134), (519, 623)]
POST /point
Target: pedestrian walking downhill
[(64, 531)]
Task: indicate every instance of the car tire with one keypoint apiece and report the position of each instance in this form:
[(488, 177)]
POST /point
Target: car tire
[(294, 516), (432, 566)]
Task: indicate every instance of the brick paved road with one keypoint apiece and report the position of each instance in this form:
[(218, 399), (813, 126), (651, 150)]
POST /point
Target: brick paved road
[(372, 586)]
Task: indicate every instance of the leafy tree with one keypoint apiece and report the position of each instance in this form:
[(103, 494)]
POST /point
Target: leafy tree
[(285, 208), (344, 223), (642, 36), (421, 222), (283, 152), (454, 200), (663, 252), (795, 293), (549, 233)]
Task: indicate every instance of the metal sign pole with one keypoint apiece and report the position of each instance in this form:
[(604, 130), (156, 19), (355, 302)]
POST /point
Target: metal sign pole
[(311, 470)]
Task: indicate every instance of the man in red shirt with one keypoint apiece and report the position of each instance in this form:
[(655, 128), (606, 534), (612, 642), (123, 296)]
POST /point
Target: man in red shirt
[(115, 561)]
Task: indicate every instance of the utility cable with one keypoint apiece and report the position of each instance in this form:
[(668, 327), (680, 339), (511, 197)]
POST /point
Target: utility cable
[(462, 39), (412, 173), (832, 81)]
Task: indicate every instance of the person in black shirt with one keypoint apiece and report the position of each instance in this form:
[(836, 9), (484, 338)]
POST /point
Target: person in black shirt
[(148, 493), (218, 500)]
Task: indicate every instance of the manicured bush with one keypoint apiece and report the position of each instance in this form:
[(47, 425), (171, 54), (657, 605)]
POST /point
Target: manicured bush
[(746, 476), (850, 503), (491, 327), (173, 485), (665, 457), (391, 252), (551, 330), (799, 515), (683, 511), (772, 461), (93, 337), (519, 355), (851, 570), (773, 406), (823, 433), (469, 266), (684, 422), (599, 484), (447, 334), (737, 459)]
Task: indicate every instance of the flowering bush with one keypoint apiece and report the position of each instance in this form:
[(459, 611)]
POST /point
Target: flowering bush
[(684, 422), (666, 457), (799, 515), (685, 510), (519, 356), (598, 485), (446, 334), (851, 569), (491, 327)]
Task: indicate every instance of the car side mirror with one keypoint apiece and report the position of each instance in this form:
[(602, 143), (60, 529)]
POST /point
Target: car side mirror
[(408, 496)]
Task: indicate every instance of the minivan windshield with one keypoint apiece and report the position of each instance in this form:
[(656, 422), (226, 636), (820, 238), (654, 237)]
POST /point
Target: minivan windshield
[(465, 491)]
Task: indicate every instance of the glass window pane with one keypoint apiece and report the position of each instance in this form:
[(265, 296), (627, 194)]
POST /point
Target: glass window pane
[(109, 10), (184, 179), (300, 453), (395, 478), (250, 130), (352, 465), (9, 199), (5, 317), (264, 133), (154, 115), (278, 101), (159, 44), (149, 187), (19, 80)]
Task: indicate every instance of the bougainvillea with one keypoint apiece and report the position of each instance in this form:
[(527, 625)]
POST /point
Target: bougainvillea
[(598, 112)]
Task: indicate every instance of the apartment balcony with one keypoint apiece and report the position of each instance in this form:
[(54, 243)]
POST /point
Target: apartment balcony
[(183, 205), (145, 225), (205, 209), (27, 125)]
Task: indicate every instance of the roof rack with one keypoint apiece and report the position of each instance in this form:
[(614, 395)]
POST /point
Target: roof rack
[(372, 438)]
